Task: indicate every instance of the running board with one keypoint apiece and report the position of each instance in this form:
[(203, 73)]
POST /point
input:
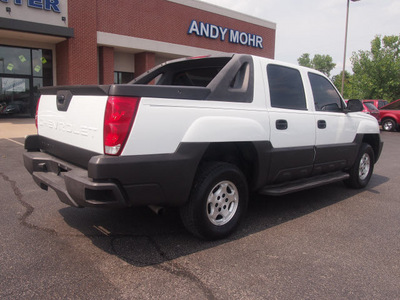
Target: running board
[(303, 184)]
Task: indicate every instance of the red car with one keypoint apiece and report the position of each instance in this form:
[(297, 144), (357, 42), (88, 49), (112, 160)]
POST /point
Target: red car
[(376, 102), (370, 109), (390, 116)]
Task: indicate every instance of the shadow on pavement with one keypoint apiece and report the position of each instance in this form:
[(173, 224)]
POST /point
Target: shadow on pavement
[(142, 238), (17, 119)]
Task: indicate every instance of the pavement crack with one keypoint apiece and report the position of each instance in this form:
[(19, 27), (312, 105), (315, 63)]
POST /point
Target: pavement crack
[(125, 247), (28, 208), (178, 270)]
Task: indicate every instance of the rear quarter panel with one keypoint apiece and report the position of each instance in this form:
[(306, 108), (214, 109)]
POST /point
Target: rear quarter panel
[(162, 124)]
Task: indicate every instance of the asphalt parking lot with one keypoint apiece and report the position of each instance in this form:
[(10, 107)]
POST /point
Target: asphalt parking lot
[(327, 243)]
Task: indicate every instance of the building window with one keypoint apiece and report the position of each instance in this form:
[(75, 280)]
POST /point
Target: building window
[(22, 72), (123, 77)]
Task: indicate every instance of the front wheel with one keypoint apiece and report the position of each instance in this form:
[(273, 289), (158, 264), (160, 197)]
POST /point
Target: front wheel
[(361, 172), (217, 203)]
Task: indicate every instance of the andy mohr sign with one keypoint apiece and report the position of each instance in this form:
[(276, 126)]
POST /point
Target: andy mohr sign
[(225, 34)]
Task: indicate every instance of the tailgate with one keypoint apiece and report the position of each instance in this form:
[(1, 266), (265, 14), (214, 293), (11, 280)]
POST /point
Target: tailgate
[(76, 120)]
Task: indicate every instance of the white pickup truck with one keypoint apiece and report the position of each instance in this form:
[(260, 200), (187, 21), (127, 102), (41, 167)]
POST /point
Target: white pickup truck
[(200, 134)]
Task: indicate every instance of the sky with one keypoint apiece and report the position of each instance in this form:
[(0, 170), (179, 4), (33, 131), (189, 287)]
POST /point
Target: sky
[(318, 26)]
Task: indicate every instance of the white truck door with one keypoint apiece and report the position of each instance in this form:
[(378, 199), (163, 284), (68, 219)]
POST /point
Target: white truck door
[(292, 125), (336, 130)]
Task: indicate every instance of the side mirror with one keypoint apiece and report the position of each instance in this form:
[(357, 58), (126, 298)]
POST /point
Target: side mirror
[(354, 105)]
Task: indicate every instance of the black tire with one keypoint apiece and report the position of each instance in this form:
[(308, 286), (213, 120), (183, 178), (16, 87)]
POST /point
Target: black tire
[(217, 203), (361, 171), (389, 124)]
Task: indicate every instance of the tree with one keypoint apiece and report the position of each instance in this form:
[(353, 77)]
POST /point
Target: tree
[(348, 92), (322, 63), (377, 72), (305, 60)]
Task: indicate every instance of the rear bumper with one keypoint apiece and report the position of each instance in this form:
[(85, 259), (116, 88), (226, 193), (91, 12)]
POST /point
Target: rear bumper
[(123, 181), (71, 183)]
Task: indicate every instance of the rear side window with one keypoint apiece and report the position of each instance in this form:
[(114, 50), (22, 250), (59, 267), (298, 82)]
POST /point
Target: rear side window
[(286, 88), (326, 97)]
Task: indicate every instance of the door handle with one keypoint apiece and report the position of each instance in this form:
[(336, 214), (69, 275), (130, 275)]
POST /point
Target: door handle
[(281, 124), (321, 124)]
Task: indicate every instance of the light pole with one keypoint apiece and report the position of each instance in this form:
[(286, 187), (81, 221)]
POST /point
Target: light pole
[(345, 41)]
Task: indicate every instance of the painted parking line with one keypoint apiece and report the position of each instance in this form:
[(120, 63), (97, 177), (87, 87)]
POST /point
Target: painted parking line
[(14, 141)]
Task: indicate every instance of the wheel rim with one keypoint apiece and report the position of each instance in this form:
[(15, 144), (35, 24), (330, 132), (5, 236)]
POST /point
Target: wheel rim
[(388, 125), (365, 165), (222, 203)]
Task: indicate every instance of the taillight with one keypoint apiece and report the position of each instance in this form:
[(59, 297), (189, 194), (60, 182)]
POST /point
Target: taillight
[(119, 116), (36, 114)]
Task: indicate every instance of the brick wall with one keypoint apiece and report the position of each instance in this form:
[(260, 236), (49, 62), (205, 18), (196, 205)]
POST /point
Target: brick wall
[(62, 63), (81, 50), (160, 20), (169, 22), (143, 62), (106, 65)]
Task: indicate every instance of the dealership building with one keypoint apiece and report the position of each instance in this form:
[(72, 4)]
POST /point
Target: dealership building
[(71, 42)]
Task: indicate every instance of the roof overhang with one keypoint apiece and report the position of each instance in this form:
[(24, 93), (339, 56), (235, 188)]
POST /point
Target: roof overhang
[(37, 28)]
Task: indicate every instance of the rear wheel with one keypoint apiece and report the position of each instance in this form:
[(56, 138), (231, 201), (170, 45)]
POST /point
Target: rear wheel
[(361, 171), (389, 125), (217, 203)]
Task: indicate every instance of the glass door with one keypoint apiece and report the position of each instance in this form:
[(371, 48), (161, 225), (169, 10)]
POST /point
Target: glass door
[(15, 95), (22, 72)]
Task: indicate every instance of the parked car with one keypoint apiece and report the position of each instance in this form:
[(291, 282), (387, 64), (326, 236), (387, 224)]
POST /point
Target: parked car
[(370, 109), (13, 108), (378, 103), (3, 106), (390, 116)]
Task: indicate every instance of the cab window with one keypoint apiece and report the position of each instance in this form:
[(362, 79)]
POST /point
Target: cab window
[(286, 88), (326, 98)]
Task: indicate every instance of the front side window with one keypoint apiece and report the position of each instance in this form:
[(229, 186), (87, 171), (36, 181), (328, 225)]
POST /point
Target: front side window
[(326, 97), (286, 88)]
